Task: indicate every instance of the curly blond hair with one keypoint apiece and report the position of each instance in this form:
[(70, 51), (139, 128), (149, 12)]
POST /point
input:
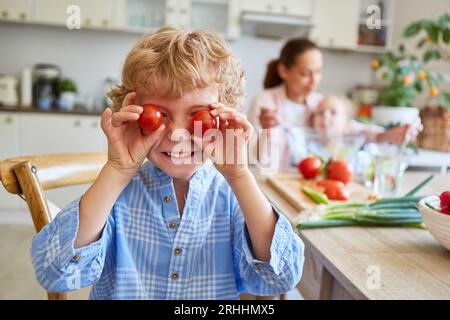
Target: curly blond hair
[(172, 62)]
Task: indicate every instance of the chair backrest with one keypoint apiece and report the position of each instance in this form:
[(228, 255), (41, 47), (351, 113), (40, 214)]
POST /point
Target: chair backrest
[(29, 176)]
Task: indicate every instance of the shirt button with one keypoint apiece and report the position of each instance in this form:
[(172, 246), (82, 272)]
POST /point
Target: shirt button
[(167, 199), (258, 265), (174, 276), (177, 251), (173, 225), (76, 257)]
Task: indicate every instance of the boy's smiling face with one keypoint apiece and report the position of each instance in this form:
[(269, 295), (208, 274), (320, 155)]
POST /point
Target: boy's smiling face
[(177, 114)]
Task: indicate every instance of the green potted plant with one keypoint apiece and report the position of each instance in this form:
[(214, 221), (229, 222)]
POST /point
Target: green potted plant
[(404, 76), (435, 41), (67, 90)]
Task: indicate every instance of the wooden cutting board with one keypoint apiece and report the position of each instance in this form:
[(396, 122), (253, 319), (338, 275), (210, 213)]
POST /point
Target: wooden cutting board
[(289, 187)]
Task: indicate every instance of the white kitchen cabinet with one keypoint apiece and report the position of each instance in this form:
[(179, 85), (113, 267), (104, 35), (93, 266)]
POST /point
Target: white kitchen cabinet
[(288, 7), (93, 14), (221, 16), (15, 10), (9, 137), (55, 133), (336, 23)]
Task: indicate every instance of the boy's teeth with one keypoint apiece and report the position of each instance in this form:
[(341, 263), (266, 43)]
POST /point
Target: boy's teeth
[(178, 155)]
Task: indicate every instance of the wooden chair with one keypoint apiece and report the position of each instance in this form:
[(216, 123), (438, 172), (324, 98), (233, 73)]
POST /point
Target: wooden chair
[(29, 176)]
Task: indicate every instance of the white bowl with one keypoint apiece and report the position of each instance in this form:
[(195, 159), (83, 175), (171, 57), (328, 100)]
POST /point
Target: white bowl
[(436, 222), (385, 115)]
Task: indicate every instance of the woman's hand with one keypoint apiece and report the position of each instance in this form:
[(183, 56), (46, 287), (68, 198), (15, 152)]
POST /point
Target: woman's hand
[(229, 150), (268, 118), (127, 145), (400, 134)]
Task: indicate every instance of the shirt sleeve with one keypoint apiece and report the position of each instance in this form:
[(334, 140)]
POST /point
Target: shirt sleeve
[(59, 267), (279, 275)]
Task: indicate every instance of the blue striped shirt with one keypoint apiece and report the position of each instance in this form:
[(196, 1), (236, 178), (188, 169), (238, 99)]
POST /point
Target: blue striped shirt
[(147, 251)]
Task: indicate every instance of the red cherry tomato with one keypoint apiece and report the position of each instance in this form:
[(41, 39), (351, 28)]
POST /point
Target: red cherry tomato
[(339, 170), (206, 119), (325, 183), (310, 167), (445, 202), (337, 192), (151, 118)]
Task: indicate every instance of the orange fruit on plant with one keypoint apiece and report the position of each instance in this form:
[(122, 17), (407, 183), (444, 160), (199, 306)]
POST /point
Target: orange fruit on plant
[(433, 91), (406, 80), (422, 75), (375, 64)]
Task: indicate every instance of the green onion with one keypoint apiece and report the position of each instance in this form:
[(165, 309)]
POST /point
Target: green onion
[(419, 186)]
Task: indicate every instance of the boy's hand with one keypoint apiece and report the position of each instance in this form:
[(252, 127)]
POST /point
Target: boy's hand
[(127, 145), (229, 153)]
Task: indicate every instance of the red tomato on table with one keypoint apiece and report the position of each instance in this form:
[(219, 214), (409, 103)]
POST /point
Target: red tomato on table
[(151, 118), (206, 119), (339, 170), (325, 183), (310, 167), (337, 192)]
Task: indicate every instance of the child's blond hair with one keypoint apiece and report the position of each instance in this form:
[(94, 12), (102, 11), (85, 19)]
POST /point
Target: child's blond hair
[(172, 62)]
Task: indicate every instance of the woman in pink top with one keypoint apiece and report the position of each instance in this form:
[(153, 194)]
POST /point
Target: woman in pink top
[(288, 101)]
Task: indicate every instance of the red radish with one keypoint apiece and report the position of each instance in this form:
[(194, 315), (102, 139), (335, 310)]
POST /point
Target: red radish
[(445, 202)]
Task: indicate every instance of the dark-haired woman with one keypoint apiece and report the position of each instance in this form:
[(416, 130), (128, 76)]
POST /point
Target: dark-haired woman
[(289, 98)]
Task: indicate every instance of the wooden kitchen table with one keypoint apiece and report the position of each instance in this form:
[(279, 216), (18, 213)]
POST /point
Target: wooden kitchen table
[(372, 262)]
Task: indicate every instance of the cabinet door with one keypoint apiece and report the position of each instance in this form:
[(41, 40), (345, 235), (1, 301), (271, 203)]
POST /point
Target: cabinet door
[(15, 10), (96, 13), (257, 6), (43, 134), (9, 138), (336, 23), (297, 7)]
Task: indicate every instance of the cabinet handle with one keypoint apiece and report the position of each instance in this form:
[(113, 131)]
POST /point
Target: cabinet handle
[(5, 14), (183, 11), (269, 7), (88, 22), (9, 120), (170, 9), (23, 16), (105, 22), (77, 123), (284, 9)]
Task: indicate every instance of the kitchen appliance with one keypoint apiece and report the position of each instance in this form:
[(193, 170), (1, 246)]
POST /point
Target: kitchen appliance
[(8, 91), (45, 85)]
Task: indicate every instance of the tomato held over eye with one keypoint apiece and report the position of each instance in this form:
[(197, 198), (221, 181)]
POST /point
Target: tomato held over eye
[(310, 167), (339, 170), (204, 120), (151, 118)]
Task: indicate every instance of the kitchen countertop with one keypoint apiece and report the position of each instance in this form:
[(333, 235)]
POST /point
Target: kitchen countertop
[(371, 262), (76, 111)]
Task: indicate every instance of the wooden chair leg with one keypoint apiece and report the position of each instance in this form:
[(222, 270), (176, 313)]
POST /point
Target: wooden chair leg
[(56, 296)]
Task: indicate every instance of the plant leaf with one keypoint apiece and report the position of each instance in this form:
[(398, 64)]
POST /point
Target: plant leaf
[(421, 43), (446, 35), (431, 55), (444, 99), (433, 32), (412, 29)]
